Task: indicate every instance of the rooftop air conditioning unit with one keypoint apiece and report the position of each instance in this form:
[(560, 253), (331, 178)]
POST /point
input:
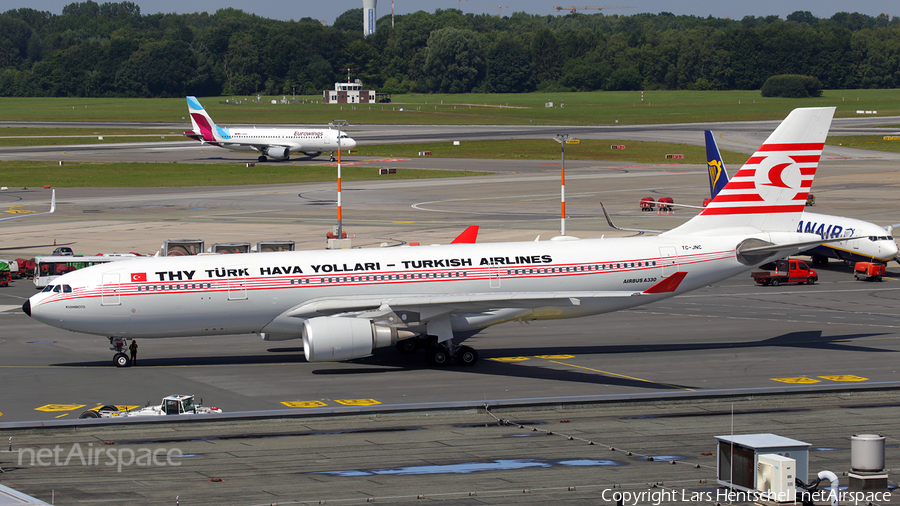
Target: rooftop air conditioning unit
[(775, 478)]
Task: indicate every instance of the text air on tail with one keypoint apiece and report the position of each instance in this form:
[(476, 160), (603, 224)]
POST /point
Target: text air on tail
[(769, 192), (205, 129)]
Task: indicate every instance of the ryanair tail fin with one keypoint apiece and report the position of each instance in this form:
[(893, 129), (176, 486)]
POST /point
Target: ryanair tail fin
[(718, 176), (205, 129), (768, 193)]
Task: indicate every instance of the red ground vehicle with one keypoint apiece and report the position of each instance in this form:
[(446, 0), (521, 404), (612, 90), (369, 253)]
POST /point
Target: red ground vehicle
[(4, 278), (26, 267), (786, 271), (665, 204), (647, 204), (869, 271)]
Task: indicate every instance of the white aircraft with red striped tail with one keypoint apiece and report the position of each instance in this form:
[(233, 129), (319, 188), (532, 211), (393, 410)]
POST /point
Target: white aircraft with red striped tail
[(343, 304), (274, 143)]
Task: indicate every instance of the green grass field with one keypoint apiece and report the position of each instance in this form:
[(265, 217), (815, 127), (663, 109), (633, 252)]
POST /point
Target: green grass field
[(12, 136), (548, 149), (419, 109), (149, 175)]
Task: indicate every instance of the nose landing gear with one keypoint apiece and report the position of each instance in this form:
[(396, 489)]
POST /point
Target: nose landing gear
[(117, 344)]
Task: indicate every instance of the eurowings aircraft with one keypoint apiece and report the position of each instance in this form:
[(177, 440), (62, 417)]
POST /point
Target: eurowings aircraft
[(29, 215), (874, 243), (343, 304), (274, 143)]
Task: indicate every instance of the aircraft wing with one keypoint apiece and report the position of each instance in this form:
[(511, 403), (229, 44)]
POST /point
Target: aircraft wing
[(469, 302), (51, 211), (609, 220)]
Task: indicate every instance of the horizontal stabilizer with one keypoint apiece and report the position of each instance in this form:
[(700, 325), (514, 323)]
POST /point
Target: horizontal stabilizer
[(667, 285), (755, 255)]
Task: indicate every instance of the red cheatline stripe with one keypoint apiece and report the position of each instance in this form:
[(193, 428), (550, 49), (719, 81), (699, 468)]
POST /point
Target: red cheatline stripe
[(745, 173), (805, 158), (805, 184), (807, 171), (753, 160), (740, 185), (805, 146), (752, 210), (746, 197)]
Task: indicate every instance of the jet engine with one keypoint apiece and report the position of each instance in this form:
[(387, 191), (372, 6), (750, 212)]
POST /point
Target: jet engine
[(333, 339), (278, 152)]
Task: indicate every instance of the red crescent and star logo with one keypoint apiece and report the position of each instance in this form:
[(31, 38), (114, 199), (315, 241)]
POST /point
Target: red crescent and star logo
[(775, 175), (139, 276)]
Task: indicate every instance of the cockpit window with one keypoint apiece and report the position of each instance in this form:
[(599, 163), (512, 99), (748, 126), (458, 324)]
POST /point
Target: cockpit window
[(67, 289), (48, 288), (57, 289)]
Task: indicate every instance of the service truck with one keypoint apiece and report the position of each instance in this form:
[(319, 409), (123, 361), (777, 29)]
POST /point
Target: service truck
[(786, 271)]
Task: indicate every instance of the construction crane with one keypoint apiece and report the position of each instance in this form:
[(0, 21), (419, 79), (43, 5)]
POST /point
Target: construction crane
[(591, 7), (499, 7), (459, 5)]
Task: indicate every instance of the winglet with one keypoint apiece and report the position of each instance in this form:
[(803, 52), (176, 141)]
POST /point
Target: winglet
[(468, 236), (669, 284), (52, 202)]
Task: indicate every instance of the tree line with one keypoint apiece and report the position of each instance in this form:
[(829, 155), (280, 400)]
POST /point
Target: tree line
[(113, 50)]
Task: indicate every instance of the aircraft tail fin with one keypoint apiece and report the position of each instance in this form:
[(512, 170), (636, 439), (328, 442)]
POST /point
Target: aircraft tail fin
[(718, 176), (205, 129), (769, 192), (468, 236)]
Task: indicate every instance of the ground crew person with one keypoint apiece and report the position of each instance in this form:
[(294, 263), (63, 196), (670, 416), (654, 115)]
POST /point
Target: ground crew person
[(133, 349)]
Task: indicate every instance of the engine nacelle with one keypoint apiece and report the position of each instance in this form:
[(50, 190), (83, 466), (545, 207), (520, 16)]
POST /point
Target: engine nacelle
[(278, 152), (333, 339), (312, 154)]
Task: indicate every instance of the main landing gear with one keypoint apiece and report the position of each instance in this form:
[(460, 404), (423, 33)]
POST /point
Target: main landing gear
[(118, 345), (440, 354), (262, 159)]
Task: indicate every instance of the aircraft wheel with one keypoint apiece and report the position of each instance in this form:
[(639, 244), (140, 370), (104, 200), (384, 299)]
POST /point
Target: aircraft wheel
[(439, 356), (261, 159), (467, 355), (90, 414), (407, 345), (776, 282), (121, 360), (108, 408)]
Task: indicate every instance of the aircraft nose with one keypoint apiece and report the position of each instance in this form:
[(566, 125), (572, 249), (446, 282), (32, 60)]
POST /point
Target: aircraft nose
[(349, 143), (26, 307)]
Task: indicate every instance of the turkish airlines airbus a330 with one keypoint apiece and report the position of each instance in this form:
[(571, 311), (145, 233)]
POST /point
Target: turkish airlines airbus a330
[(345, 303), (274, 143)]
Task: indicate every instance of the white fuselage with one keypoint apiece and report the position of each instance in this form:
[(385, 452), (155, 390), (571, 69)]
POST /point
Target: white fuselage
[(296, 139), (243, 293), (877, 243)]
